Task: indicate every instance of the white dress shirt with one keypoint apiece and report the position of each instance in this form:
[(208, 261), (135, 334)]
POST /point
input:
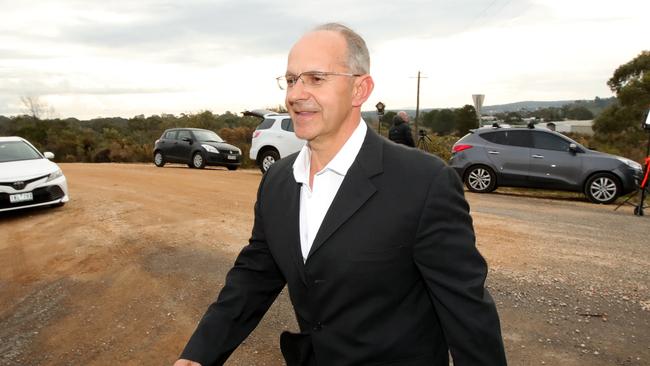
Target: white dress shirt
[(316, 201)]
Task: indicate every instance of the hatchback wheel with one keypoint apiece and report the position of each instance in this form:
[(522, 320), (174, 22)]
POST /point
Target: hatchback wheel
[(269, 157), (159, 159), (602, 188), (198, 161), (480, 179)]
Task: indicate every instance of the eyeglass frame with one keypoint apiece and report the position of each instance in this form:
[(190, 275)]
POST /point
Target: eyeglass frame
[(310, 73)]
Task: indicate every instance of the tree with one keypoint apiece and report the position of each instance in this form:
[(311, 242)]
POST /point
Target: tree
[(466, 119), (512, 117), (618, 128), (579, 113), (34, 107)]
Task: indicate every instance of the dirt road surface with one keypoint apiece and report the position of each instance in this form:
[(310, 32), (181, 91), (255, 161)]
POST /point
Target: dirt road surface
[(122, 273)]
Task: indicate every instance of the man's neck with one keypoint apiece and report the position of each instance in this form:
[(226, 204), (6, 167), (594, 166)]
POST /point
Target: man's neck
[(324, 149)]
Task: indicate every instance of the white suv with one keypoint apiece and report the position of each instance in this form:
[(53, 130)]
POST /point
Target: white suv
[(273, 139)]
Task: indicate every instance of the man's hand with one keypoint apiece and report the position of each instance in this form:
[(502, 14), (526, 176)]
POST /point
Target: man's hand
[(184, 362)]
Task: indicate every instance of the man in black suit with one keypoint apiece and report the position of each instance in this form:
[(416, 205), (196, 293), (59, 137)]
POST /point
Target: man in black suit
[(374, 240)]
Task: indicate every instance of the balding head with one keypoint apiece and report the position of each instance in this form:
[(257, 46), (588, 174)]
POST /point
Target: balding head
[(357, 57)]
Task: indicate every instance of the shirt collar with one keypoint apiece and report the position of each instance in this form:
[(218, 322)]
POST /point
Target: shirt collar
[(341, 162)]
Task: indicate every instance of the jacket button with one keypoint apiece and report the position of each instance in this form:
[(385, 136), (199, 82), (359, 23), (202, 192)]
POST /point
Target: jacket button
[(318, 326)]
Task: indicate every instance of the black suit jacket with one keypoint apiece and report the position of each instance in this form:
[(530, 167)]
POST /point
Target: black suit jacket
[(393, 276)]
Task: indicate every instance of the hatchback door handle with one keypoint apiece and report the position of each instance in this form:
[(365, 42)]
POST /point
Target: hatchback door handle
[(493, 152), (538, 156)]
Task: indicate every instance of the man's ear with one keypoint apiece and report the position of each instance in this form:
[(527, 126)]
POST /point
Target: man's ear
[(363, 87)]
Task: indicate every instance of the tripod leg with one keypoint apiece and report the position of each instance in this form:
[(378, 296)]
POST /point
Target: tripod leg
[(627, 199)]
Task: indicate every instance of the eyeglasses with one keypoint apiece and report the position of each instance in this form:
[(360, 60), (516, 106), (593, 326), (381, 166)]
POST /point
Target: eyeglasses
[(309, 78)]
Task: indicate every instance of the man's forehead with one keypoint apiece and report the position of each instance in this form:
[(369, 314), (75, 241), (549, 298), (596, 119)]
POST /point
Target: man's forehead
[(318, 49)]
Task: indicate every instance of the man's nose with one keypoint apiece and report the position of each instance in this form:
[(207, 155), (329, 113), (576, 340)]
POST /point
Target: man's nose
[(297, 91)]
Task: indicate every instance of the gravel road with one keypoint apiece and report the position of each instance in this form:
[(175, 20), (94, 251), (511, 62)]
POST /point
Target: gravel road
[(122, 273)]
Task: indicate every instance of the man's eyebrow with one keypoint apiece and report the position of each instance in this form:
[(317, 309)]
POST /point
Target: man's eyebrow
[(289, 73)]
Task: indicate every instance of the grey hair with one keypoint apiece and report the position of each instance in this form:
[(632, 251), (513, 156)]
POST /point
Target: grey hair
[(358, 55)]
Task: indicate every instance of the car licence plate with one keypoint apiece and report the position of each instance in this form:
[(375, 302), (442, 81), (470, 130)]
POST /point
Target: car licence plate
[(21, 197), (232, 157)]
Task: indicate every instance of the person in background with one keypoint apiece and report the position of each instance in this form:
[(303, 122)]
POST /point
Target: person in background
[(400, 132)]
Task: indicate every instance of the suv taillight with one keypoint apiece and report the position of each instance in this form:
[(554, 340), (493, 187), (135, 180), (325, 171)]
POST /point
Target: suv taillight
[(459, 148), (256, 134)]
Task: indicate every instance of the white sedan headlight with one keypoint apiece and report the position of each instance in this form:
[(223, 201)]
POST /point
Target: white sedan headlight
[(210, 148), (56, 174)]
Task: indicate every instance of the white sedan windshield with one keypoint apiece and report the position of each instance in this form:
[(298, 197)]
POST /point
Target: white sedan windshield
[(17, 150)]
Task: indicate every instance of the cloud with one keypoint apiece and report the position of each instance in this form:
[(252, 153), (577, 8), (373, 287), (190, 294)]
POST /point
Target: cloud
[(122, 55)]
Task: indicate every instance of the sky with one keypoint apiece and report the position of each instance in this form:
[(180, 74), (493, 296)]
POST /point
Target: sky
[(121, 58)]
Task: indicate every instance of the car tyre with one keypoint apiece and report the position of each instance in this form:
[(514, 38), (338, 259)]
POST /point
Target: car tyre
[(232, 167), (198, 160), (268, 158), (602, 188), (159, 159), (480, 179)]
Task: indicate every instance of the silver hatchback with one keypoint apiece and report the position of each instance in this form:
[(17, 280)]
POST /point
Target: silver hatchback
[(490, 157)]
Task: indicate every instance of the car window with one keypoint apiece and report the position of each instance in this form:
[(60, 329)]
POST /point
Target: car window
[(17, 150), (497, 137), (547, 141), (183, 134), (287, 125), (518, 138), (170, 135), (210, 136), (266, 124)]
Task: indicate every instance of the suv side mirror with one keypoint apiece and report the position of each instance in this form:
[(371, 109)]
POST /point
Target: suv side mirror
[(187, 139), (48, 155), (573, 148)]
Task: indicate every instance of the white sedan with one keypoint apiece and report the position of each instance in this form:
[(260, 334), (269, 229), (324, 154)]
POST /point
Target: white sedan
[(28, 178)]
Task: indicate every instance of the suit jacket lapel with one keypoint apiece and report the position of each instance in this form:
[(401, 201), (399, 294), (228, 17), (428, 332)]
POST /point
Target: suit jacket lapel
[(355, 190), (291, 201)]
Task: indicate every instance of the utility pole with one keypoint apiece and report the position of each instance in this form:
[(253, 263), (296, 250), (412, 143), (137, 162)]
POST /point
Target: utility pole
[(417, 105)]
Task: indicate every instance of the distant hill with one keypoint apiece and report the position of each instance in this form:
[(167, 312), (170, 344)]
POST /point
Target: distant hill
[(595, 105), (527, 105)]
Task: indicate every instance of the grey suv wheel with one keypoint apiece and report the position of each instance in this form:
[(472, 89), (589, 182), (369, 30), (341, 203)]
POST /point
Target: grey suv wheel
[(602, 188), (480, 179)]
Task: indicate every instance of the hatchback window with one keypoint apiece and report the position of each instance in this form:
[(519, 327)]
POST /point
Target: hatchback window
[(17, 150), (547, 141), (183, 134), (170, 135), (266, 124), (497, 137), (209, 136), (518, 138), (287, 125)]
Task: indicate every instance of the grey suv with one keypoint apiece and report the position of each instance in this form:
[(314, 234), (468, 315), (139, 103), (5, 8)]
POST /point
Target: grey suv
[(540, 158)]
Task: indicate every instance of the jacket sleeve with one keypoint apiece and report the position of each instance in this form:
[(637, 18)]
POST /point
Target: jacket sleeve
[(455, 273), (251, 287)]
